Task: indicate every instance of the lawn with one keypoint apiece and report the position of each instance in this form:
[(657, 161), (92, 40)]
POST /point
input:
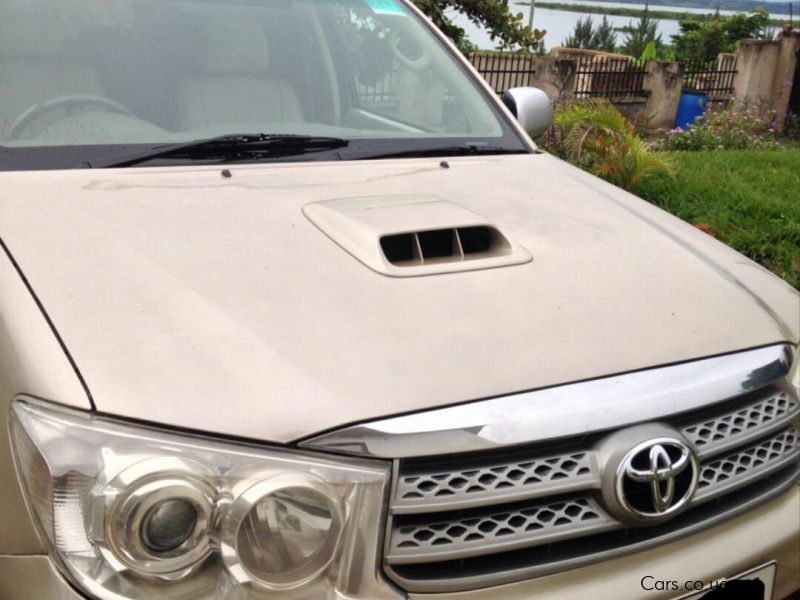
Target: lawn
[(750, 199)]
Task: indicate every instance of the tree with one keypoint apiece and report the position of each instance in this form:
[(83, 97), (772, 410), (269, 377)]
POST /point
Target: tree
[(581, 36), (700, 41), (586, 36), (605, 38), (639, 35), (508, 29)]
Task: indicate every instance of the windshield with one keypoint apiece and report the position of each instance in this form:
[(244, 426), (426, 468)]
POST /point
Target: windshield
[(82, 79)]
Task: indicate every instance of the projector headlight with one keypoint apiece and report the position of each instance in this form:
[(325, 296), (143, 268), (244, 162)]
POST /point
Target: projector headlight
[(132, 512), (281, 532)]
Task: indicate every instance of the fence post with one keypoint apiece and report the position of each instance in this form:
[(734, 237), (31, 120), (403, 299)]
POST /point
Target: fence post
[(785, 72), (766, 71), (664, 81), (755, 64), (556, 76)]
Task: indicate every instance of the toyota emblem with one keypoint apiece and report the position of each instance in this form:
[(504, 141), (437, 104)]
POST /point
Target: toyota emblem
[(656, 478)]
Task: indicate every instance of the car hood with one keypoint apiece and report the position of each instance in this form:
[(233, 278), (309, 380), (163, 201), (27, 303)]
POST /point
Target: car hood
[(190, 299)]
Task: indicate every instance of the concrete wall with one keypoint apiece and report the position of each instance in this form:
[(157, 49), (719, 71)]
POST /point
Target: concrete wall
[(664, 81), (556, 76), (755, 63), (766, 70), (788, 55), (663, 84), (577, 53), (634, 109)]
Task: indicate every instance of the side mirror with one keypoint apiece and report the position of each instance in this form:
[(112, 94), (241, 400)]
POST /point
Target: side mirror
[(531, 106)]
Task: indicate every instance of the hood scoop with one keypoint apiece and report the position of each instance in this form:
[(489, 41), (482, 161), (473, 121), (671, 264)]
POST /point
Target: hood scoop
[(444, 246), (407, 236)]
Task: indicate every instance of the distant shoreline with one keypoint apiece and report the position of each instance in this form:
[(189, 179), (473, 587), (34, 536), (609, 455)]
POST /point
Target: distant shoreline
[(618, 11), (712, 5)]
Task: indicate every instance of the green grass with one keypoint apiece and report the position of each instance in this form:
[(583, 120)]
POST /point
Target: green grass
[(751, 200)]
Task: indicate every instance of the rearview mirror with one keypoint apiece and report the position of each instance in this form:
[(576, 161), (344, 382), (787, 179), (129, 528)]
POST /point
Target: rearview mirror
[(531, 106)]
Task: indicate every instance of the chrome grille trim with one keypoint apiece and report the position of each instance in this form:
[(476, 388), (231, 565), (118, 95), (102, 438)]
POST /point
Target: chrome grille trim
[(564, 410)]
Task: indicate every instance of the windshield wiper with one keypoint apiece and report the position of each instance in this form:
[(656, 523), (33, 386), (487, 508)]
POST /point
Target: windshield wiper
[(227, 148), (457, 150)]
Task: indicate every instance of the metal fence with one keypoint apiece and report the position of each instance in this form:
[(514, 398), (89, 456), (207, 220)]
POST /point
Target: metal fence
[(379, 92), (504, 70), (609, 77), (715, 77), (606, 76)]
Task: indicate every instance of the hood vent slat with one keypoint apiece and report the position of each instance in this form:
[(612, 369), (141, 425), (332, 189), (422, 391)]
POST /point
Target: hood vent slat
[(415, 235), (444, 246)]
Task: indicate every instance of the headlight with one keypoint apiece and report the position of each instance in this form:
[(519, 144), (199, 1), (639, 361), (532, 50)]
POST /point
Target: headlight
[(132, 512)]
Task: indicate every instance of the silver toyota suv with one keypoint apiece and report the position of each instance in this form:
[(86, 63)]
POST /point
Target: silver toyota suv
[(291, 306)]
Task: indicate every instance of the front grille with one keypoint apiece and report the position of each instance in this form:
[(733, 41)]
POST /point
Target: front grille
[(728, 427), (492, 481), (738, 467), (515, 526), (459, 522)]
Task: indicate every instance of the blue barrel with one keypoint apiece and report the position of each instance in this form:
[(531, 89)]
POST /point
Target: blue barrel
[(692, 106)]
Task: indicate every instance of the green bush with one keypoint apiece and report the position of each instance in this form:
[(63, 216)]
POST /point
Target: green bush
[(594, 135), (726, 127), (700, 41)]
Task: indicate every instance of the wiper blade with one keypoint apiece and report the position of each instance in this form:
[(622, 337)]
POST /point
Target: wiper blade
[(457, 150), (228, 148)]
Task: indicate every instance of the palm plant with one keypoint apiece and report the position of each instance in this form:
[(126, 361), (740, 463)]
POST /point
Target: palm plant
[(598, 138)]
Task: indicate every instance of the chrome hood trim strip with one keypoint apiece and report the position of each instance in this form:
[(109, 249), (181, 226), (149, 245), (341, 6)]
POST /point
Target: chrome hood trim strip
[(563, 411)]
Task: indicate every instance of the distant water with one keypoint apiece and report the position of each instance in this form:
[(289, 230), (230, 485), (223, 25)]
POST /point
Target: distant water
[(559, 24), (681, 10)]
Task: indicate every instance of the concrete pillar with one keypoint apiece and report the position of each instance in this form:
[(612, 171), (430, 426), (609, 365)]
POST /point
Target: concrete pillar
[(664, 81), (556, 76), (766, 71), (788, 49), (755, 65)]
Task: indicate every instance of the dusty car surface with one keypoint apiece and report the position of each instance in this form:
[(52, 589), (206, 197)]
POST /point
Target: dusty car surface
[(291, 306)]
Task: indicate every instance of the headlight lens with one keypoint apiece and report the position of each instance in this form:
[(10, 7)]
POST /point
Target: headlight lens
[(130, 512), (281, 531), (169, 524)]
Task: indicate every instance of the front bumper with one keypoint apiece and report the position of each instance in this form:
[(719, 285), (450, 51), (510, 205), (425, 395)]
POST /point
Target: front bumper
[(770, 532)]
